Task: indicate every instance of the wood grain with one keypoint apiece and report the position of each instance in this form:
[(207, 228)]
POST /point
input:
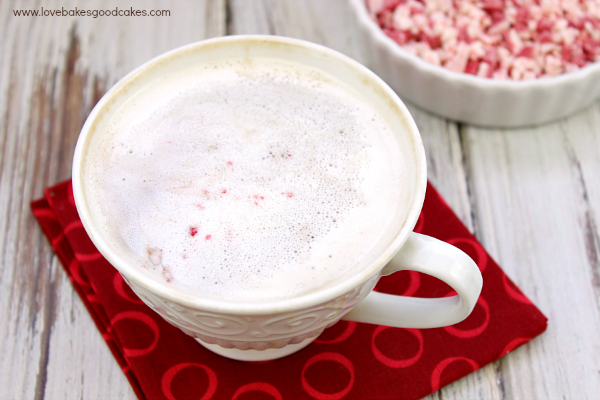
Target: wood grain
[(545, 239), (54, 70), (532, 196)]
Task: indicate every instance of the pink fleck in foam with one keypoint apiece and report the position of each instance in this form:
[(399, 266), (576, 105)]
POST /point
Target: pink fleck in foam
[(499, 39)]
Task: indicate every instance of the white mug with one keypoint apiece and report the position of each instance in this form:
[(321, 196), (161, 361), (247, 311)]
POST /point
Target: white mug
[(263, 331)]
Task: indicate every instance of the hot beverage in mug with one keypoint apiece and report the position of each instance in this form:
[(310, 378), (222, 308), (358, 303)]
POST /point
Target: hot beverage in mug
[(253, 189), (247, 181)]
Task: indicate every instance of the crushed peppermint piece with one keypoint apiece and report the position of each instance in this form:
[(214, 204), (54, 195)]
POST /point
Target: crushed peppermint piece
[(498, 39)]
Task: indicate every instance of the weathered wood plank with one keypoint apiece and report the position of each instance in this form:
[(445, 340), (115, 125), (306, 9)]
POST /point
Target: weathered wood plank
[(324, 22), (79, 363), (537, 218), (53, 70)]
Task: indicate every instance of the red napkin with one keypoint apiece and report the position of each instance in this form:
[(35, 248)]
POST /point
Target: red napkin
[(349, 360)]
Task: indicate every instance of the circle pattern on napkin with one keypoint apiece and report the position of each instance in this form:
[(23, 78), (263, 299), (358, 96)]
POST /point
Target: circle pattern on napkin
[(349, 360)]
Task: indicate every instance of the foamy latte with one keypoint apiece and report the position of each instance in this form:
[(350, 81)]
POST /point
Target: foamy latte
[(247, 180)]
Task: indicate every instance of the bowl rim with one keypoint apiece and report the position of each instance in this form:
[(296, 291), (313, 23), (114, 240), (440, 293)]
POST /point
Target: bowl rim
[(360, 9), (239, 307)]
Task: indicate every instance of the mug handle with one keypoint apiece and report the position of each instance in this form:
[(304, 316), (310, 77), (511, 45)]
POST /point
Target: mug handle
[(433, 257)]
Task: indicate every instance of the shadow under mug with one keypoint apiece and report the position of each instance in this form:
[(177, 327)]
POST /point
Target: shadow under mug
[(263, 331)]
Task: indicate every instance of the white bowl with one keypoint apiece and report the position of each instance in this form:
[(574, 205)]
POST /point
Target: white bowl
[(469, 98)]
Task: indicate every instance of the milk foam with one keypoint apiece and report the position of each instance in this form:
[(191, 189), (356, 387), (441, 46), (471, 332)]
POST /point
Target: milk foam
[(247, 181)]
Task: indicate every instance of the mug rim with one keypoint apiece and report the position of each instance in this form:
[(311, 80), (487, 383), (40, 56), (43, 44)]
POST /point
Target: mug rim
[(318, 296)]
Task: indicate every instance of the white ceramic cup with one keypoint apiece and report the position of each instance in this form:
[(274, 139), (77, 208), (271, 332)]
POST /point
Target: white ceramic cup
[(262, 331)]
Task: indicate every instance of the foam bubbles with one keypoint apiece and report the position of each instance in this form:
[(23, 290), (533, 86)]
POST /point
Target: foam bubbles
[(251, 182)]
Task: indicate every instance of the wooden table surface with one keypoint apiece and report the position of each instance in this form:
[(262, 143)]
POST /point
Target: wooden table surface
[(531, 196)]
